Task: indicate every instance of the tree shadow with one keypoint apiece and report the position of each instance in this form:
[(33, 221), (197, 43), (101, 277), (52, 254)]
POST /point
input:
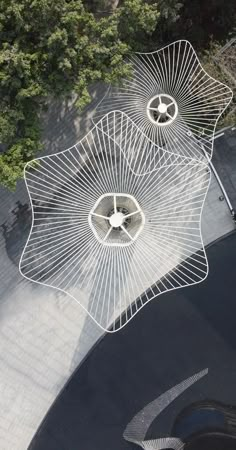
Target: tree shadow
[(63, 124), (15, 230)]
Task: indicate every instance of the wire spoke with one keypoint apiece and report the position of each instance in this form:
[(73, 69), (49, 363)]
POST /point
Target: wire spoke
[(117, 217)]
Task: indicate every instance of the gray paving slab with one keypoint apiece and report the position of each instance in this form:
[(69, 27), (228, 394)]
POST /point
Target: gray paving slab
[(224, 160), (44, 335), (216, 216)]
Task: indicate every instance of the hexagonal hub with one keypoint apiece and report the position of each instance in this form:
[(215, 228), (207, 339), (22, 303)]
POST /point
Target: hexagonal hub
[(116, 219), (162, 109)]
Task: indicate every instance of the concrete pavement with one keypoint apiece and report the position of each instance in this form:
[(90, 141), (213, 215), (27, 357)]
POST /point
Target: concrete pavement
[(43, 334)]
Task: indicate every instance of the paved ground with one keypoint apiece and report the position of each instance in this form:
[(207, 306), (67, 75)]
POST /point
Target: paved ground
[(224, 161), (44, 335), (128, 370)]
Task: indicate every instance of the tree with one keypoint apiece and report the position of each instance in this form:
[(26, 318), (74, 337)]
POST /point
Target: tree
[(170, 14), (213, 67), (51, 48), (202, 22)]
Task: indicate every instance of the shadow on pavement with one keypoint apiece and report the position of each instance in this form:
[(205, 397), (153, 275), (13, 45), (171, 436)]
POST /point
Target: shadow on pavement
[(170, 339), (15, 230)]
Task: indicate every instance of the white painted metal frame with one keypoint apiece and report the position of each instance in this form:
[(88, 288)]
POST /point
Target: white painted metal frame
[(198, 99), (112, 282), (117, 220)]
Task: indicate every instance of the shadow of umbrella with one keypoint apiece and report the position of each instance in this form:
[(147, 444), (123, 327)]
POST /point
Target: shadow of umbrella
[(16, 230)]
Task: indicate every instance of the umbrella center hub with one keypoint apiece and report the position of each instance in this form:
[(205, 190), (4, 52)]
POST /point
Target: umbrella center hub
[(116, 219), (162, 108)]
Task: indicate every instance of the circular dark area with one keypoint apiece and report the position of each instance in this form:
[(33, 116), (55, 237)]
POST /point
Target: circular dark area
[(172, 338), (212, 441)]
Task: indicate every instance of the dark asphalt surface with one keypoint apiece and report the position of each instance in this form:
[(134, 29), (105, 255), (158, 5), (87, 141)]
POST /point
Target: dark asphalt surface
[(172, 338)]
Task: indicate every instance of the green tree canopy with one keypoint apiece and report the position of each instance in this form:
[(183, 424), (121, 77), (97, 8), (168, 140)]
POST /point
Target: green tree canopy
[(53, 48)]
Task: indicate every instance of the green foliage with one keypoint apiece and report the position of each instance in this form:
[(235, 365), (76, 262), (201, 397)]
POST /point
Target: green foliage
[(214, 69), (229, 119), (13, 161), (53, 48), (143, 20), (170, 13), (170, 10), (204, 21), (209, 64)]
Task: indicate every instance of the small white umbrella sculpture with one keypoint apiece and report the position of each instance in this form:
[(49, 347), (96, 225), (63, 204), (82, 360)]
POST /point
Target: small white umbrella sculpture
[(117, 217), (171, 98), (116, 221)]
